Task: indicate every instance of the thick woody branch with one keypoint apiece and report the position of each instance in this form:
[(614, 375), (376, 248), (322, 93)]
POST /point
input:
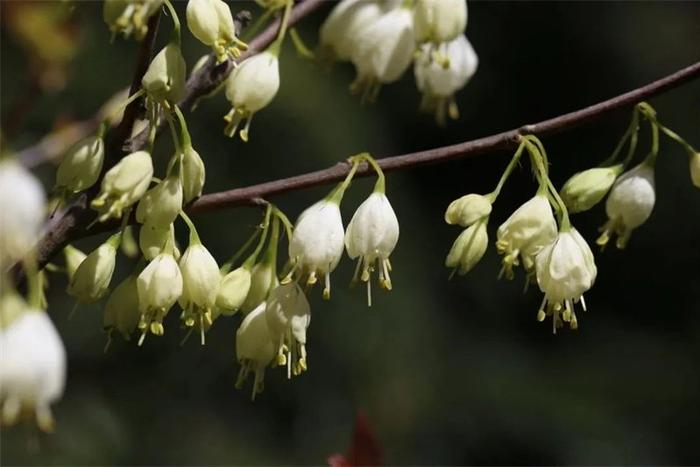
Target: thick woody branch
[(498, 142)]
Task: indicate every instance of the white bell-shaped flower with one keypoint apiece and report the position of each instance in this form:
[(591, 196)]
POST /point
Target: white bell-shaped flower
[(159, 286), (440, 20), (91, 280), (81, 166), (384, 50), (254, 348), (629, 204), (342, 27), (288, 316), (468, 209), (211, 22), (22, 210), (439, 81), (565, 271), (529, 229), (372, 235), (200, 279), (166, 75), (32, 368), (317, 242), (468, 249), (161, 205), (123, 185), (122, 308), (251, 86)]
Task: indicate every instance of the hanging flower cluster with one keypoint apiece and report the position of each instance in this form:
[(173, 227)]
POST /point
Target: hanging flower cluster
[(383, 38), (539, 234)]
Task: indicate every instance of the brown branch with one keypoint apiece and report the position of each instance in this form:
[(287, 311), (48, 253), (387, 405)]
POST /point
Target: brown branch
[(498, 142)]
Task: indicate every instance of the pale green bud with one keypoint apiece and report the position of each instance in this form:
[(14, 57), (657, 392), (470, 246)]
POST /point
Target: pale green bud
[(586, 189), (165, 78), (695, 169), (73, 258), (262, 281), (468, 209), (161, 204), (469, 248), (122, 308), (81, 166), (154, 238), (233, 290), (91, 279), (193, 174), (124, 184)]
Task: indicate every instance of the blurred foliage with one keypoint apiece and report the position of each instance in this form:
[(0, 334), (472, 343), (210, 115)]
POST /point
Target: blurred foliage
[(447, 372)]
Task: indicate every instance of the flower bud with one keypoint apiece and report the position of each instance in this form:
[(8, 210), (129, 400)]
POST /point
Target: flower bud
[(73, 258), (250, 87), (123, 185), (154, 238), (193, 174), (254, 349), (91, 280), (200, 279), (159, 286), (440, 20), (81, 166), (695, 168), (586, 189), (161, 204), (165, 78), (468, 209), (342, 27), (122, 308), (262, 280), (22, 206), (469, 248), (233, 290), (211, 22), (630, 204)]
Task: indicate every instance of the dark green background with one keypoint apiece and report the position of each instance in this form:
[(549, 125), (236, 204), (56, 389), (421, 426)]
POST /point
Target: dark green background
[(447, 372)]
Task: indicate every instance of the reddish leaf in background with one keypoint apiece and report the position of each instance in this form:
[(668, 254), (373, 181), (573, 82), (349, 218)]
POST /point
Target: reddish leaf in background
[(364, 449)]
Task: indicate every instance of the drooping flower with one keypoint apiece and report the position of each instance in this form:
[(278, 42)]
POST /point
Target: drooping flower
[(32, 368), (211, 22), (468, 209), (383, 52), (468, 248), (250, 87), (91, 280), (122, 308), (342, 27), (695, 168), (586, 189), (372, 235), (440, 81), (254, 349), (159, 286), (22, 207), (440, 20), (233, 290), (166, 75), (523, 235), (161, 205), (81, 166), (288, 316), (129, 16), (73, 258), (123, 185), (317, 242), (565, 271), (629, 204), (200, 279)]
